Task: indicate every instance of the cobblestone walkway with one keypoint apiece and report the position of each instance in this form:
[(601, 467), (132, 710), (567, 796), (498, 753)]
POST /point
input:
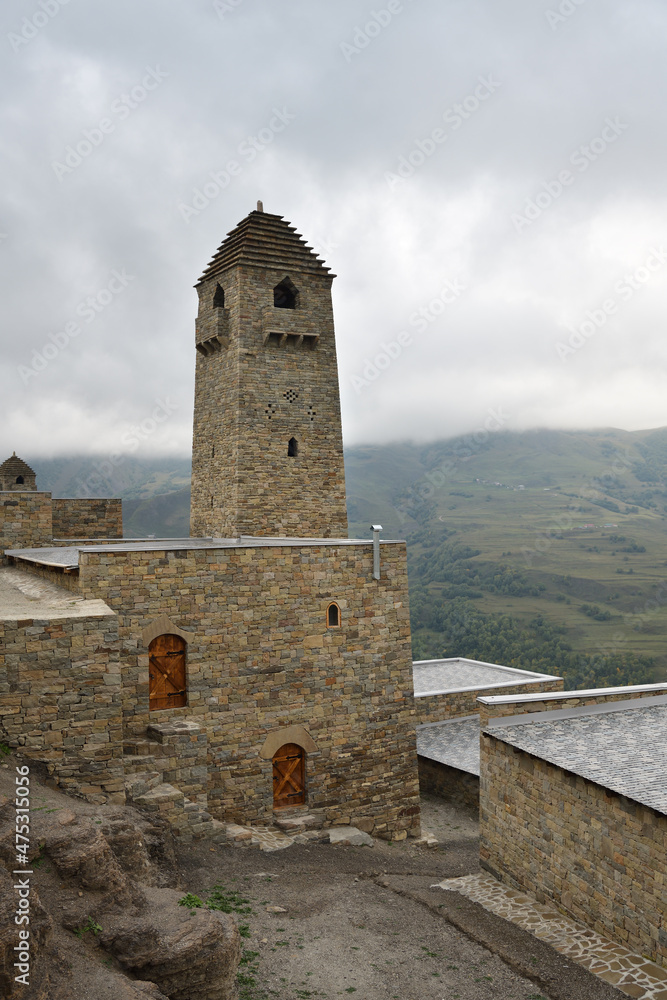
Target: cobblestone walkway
[(631, 974)]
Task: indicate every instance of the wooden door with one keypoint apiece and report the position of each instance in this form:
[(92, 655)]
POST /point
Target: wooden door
[(289, 776), (166, 672)]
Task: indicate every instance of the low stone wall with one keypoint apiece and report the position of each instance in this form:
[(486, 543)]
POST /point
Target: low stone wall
[(89, 517), (597, 855), (69, 581), (60, 698), (496, 707), (439, 707), (449, 783), (25, 521)]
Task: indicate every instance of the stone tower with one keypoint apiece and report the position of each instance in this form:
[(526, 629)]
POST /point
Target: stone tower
[(267, 452), (16, 476)]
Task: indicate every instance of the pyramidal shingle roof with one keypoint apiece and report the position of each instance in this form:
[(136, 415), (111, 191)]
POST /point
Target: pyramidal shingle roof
[(14, 466), (264, 240)]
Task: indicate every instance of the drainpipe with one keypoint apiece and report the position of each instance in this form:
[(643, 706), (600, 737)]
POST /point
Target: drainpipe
[(376, 529)]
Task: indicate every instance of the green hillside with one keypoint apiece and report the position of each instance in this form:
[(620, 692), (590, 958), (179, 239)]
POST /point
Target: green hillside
[(544, 548), (559, 537)]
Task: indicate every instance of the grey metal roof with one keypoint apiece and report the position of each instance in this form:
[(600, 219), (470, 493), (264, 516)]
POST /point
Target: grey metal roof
[(66, 557), (458, 674), (454, 742), (619, 745)]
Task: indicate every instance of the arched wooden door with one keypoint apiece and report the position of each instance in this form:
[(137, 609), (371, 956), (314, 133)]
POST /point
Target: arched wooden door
[(289, 776), (166, 672)]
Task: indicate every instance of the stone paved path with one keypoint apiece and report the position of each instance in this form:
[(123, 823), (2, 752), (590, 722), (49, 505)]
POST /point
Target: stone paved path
[(630, 973)]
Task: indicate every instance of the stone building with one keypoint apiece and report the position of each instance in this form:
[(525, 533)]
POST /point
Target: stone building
[(30, 517), (16, 476), (573, 806), (447, 710), (265, 662)]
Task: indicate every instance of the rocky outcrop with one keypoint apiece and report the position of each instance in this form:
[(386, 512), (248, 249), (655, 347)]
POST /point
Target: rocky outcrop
[(80, 850), (113, 930), (129, 847), (40, 930), (189, 954)]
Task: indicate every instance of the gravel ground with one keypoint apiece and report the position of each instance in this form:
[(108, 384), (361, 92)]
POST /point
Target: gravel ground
[(366, 922)]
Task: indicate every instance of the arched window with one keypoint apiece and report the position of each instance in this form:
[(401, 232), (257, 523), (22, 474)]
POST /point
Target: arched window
[(20, 480), (285, 295), (292, 448), (219, 297), (166, 672), (289, 776), (333, 615)]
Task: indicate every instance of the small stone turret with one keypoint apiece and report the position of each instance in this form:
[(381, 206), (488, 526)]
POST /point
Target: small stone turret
[(16, 476)]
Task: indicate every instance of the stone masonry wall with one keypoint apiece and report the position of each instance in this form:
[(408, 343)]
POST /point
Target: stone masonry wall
[(271, 382), (25, 521), (599, 856), (60, 698), (89, 517), (438, 707), (261, 658), (449, 783)]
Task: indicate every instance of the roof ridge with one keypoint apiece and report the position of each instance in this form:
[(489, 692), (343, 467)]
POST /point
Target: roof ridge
[(263, 238)]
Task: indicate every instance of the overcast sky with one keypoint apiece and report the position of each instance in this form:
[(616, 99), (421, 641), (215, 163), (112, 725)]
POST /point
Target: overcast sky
[(486, 179)]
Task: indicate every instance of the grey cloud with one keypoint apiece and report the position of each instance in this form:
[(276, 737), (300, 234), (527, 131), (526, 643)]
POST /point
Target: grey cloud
[(355, 116)]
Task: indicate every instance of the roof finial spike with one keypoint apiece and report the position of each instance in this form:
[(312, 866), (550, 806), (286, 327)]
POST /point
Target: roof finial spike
[(260, 206)]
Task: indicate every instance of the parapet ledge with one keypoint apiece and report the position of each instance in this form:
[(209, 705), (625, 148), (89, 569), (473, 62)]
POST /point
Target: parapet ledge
[(627, 690)]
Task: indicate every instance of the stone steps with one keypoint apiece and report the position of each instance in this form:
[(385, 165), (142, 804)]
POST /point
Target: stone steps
[(270, 838), (297, 822), (134, 764), (138, 783)]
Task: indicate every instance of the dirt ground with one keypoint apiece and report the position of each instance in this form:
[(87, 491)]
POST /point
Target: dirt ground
[(366, 921), (352, 920)]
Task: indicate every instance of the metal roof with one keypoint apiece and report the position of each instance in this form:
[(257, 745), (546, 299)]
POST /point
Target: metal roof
[(619, 745), (454, 674)]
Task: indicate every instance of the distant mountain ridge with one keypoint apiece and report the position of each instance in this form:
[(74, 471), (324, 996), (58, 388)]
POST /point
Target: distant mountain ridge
[(543, 549), (393, 483)]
